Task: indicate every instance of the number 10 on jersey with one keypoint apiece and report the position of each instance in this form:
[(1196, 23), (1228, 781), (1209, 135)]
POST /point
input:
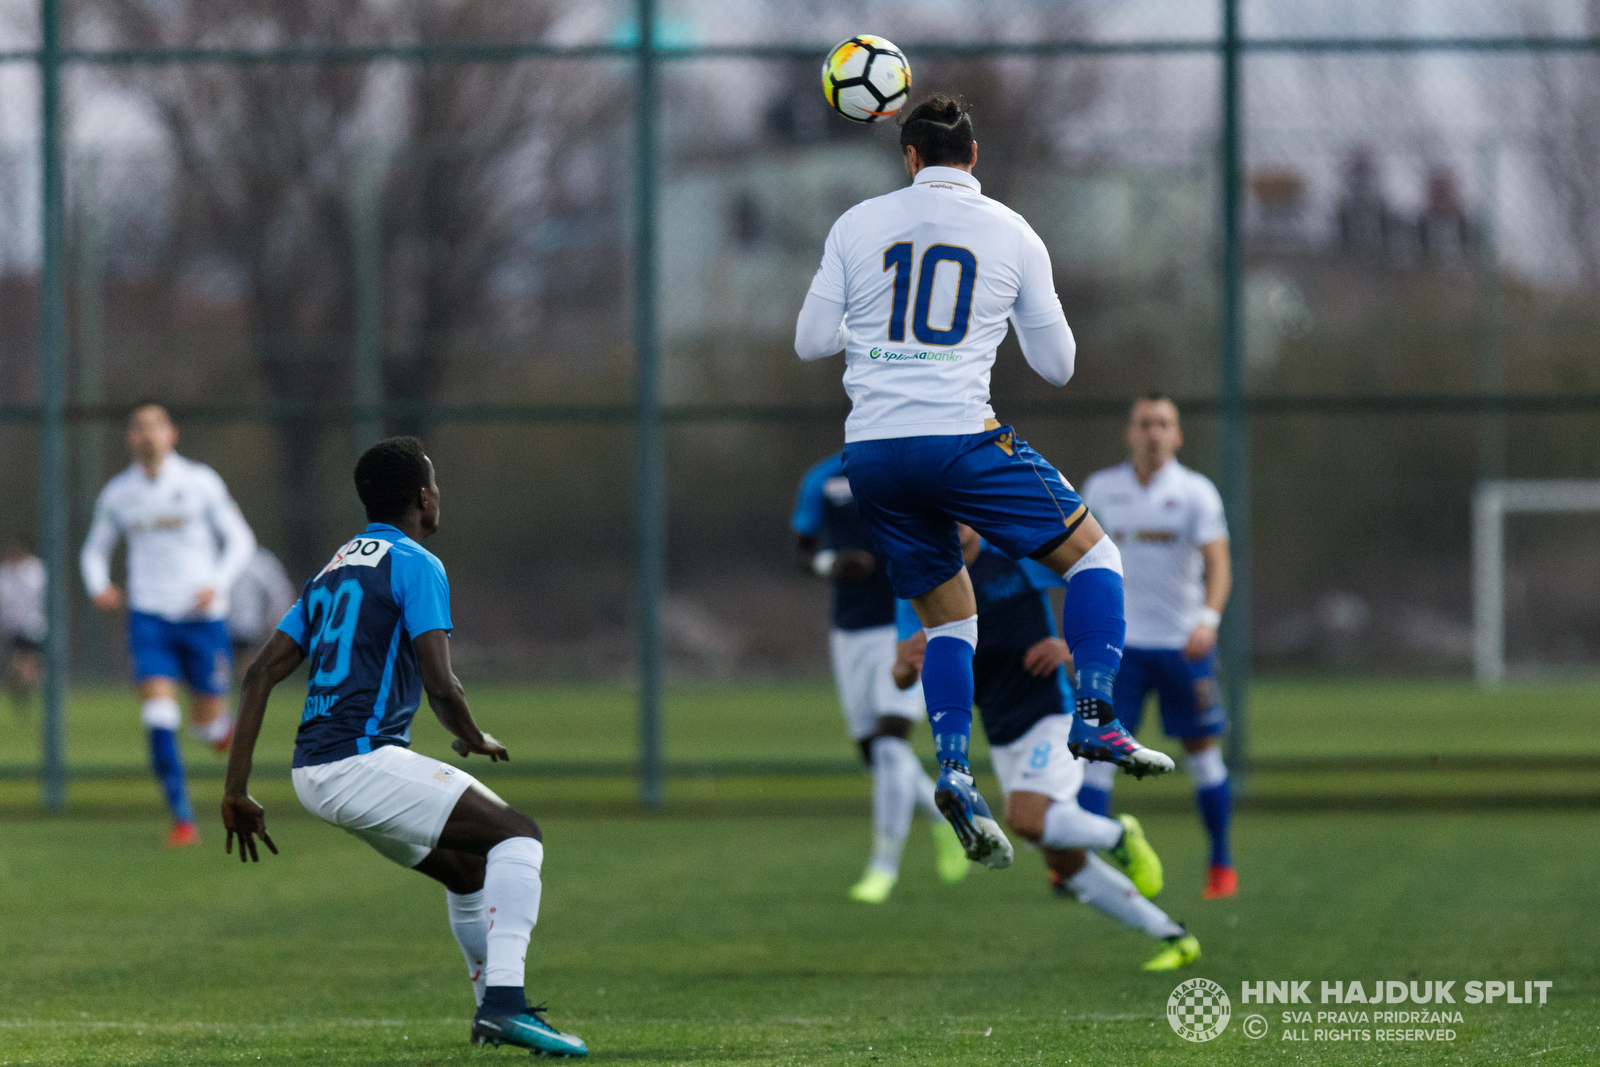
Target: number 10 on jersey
[(897, 257)]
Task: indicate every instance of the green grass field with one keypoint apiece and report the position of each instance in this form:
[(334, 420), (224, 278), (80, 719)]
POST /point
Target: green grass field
[(725, 938)]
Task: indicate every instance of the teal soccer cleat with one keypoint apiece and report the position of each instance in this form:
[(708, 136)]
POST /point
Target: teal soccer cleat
[(526, 1029)]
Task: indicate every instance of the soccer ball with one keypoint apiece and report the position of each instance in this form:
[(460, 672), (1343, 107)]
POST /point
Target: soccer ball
[(866, 78)]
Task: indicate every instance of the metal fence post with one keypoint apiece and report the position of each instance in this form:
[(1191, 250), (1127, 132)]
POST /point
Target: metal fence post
[(53, 392), (1235, 422), (650, 491), (368, 250)]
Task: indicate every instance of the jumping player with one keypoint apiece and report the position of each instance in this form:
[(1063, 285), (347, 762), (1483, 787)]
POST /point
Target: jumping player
[(187, 544), (831, 543), (917, 287), (1168, 521), (375, 624), (1020, 676)]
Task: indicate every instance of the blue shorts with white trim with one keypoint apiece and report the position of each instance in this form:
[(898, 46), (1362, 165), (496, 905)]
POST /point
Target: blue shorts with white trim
[(911, 492)]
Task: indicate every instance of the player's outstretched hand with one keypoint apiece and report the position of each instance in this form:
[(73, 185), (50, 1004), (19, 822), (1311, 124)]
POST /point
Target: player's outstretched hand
[(1046, 656), (853, 565), (490, 747), (245, 818), (908, 656)]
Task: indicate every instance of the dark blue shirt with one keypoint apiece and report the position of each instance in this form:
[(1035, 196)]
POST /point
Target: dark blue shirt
[(826, 508), (1014, 614), (355, 622)]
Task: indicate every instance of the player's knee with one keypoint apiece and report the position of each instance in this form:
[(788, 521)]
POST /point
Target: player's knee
[(1025, 814), (894, 726), (1205, 767), (1065, 862)]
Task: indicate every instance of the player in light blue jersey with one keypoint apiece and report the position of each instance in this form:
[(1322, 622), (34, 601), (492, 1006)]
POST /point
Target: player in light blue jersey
[(918, 287), (375, 625)]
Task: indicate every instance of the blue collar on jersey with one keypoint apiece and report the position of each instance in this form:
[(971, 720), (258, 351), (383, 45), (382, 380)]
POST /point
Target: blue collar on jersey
[(383, 527), (948, 175)]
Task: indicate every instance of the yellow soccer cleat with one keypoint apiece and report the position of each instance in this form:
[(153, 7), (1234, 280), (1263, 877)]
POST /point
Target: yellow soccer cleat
[(874, 887), (1136, 858), (1179, 951), (952, 858)]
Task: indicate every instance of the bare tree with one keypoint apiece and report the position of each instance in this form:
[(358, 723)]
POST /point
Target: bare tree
[(270, 161)]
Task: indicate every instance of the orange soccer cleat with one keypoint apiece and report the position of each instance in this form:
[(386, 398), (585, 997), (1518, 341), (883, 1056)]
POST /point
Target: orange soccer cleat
[(183, 835), (223, 744), (1221, 882)]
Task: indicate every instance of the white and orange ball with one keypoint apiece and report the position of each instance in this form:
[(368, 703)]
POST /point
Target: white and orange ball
[(866, 78)]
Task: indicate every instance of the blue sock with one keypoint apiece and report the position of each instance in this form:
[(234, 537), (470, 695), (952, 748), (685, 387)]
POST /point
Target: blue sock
[(168, 767), (1216, 811), (1094, 800), (947, 689), (503, 1000), (1093, 626)]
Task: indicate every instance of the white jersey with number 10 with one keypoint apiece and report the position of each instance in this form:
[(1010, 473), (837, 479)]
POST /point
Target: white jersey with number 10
[(928, 276)]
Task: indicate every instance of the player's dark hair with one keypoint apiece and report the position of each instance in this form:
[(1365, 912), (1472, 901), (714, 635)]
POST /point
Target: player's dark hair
[(1154, 397), (389, 475), (940, 129)]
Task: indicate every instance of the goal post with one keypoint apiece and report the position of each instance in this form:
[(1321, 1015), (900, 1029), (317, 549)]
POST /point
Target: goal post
[(1492, 502)]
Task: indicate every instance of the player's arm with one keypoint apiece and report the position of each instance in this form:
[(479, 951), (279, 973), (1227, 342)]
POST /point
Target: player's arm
[(913, 646), (1042, 331), (820, 331), (448, 698), (840, 565), (238, 542), (94, 561), (1218, 576), (240, 813)]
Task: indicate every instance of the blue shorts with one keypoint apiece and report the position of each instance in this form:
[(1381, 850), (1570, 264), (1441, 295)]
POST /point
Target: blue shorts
[(911, 491), (200, 653), (1191, 705)]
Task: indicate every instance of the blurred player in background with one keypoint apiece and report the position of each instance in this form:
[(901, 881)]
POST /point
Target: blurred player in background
[(23, 625), (1168, 521), (375, 624), (918, 287), (832, 543), (1023, 696), (257, 601), (187, 544)]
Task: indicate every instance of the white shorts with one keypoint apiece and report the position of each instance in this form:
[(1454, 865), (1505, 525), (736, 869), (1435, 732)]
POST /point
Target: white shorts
[(1039, 762), (863, 668), (392, 798)]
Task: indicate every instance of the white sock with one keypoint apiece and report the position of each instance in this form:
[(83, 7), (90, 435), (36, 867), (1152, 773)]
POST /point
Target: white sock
[(1068, 826), (469, 921), (511, 889), (1102, 886), (922, 787), (215, 730), (1100, 775), (160, 713), (1206, 768), (894, 798)]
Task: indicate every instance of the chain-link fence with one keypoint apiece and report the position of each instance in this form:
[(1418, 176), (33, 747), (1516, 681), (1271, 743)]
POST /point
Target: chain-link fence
[(566, 243)]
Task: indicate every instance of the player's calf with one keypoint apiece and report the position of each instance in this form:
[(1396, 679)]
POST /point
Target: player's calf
[(1093, 626)]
